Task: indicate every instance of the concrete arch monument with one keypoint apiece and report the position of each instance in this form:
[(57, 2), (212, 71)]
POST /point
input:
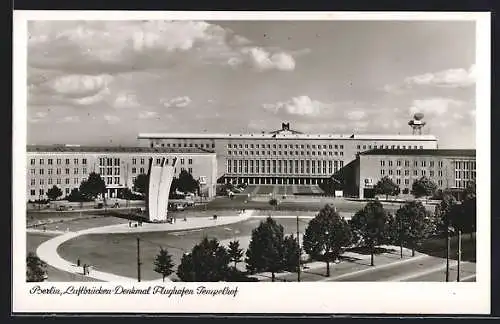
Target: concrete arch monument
[(160, 179)]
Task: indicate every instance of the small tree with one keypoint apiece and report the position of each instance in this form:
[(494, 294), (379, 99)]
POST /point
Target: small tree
[(93, 186), (411, 218), (265, 251), (207, 262), (75, 196), (54, 193), (291, 253), (141, 184), (387, 187), (163, 264), (370, 224), (423, 187), (326, 235), (36, 269), (186, 182), (235, 252)]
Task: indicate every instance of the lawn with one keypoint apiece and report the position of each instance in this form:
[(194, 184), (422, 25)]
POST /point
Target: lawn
[(117, 253)]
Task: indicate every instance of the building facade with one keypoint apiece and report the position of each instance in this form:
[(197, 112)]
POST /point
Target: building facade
[(448, 169), (285, 156), (67, 166)]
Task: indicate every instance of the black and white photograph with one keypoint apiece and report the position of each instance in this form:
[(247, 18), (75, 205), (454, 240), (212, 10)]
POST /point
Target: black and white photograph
[(173, 157)]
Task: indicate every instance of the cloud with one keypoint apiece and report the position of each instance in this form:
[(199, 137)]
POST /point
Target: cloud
[(179, 102), (125, 100), (95, 47), (434, 106), (355, 115), (302, 105), (110, 119), (69, 119), (147, 114), (264, 60), (451, 78)]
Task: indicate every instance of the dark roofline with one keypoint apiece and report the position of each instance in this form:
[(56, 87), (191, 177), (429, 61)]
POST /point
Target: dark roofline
[(116, 149), (433, 152)]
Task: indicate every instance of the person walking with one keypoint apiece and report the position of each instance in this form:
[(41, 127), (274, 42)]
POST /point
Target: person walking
[(78, 262), (84, 269)]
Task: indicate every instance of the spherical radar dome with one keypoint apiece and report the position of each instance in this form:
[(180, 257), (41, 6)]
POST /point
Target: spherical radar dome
[(418, 116)]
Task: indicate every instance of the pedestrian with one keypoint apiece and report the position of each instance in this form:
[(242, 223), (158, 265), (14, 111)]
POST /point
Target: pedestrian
[(84, 269), (78, 262)]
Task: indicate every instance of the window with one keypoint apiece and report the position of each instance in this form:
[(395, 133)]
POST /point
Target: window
[(84, 170), (67, 191), (423, 163), (358, 147), (407, 163), (33, 182), (398, 181), (33, 171), (75, 180), (41, 192), (32, 192), (142, 161), (75, 171), (158, 161), (440, 182), (423, 172), (390, 163), (382, 172), (58, 181), (182, 161), (440, 164), (190, 170), (49, 161), (431, 173), (390, 172), (41, 171), (190, 161), (84, 161), (398, 163), (398, 172), (41, 161), (66, 181), (75, 161), (415, 172), (382, 163), (141, 170), (407, 181), (407, 172), (58, 161), (134, 161), (67, 170), (67, 161), (431, 164)]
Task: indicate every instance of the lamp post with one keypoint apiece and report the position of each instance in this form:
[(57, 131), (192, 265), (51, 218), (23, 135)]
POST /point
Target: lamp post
[(327, 252), (298, 250)]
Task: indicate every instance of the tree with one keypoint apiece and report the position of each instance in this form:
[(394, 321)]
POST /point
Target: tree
[(187, 183), (291, 253), (326, 235), (75, 196), (265, 251), (207, 262), (36, 269), (423, 187), (163, 264), (411, 218), (54, 193), (371, 225), (444, 212), (235, 252), (93, 186), (387, 187), (141, 184)]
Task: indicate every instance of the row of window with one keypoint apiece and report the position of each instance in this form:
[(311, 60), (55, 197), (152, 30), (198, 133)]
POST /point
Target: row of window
[(467, 175), (58, 171), (285, 166), (314, 153), (201, 145), (302, 146), (58, 161), (415, 172), (58, 181), (465, 165), (404, 147), (41, 192), (423, 163), (158, 161)]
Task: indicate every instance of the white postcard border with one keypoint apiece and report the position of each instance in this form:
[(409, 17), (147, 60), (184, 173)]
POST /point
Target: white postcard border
[(304, 297)]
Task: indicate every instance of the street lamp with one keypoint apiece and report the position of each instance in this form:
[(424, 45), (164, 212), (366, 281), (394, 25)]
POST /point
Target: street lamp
[(327, 251)]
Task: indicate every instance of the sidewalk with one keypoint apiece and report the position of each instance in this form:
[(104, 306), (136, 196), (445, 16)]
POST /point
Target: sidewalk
[(47, 251)]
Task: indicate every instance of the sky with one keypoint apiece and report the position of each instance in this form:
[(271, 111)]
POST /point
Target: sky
[(103, 82)]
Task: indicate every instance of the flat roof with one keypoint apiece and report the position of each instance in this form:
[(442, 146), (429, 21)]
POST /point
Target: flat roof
[(210, 136), (116, 149), (433, 152)]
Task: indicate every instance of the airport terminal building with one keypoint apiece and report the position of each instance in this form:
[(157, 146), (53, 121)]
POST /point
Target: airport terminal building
[(285, 156), (66, 166), (448, 169)]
